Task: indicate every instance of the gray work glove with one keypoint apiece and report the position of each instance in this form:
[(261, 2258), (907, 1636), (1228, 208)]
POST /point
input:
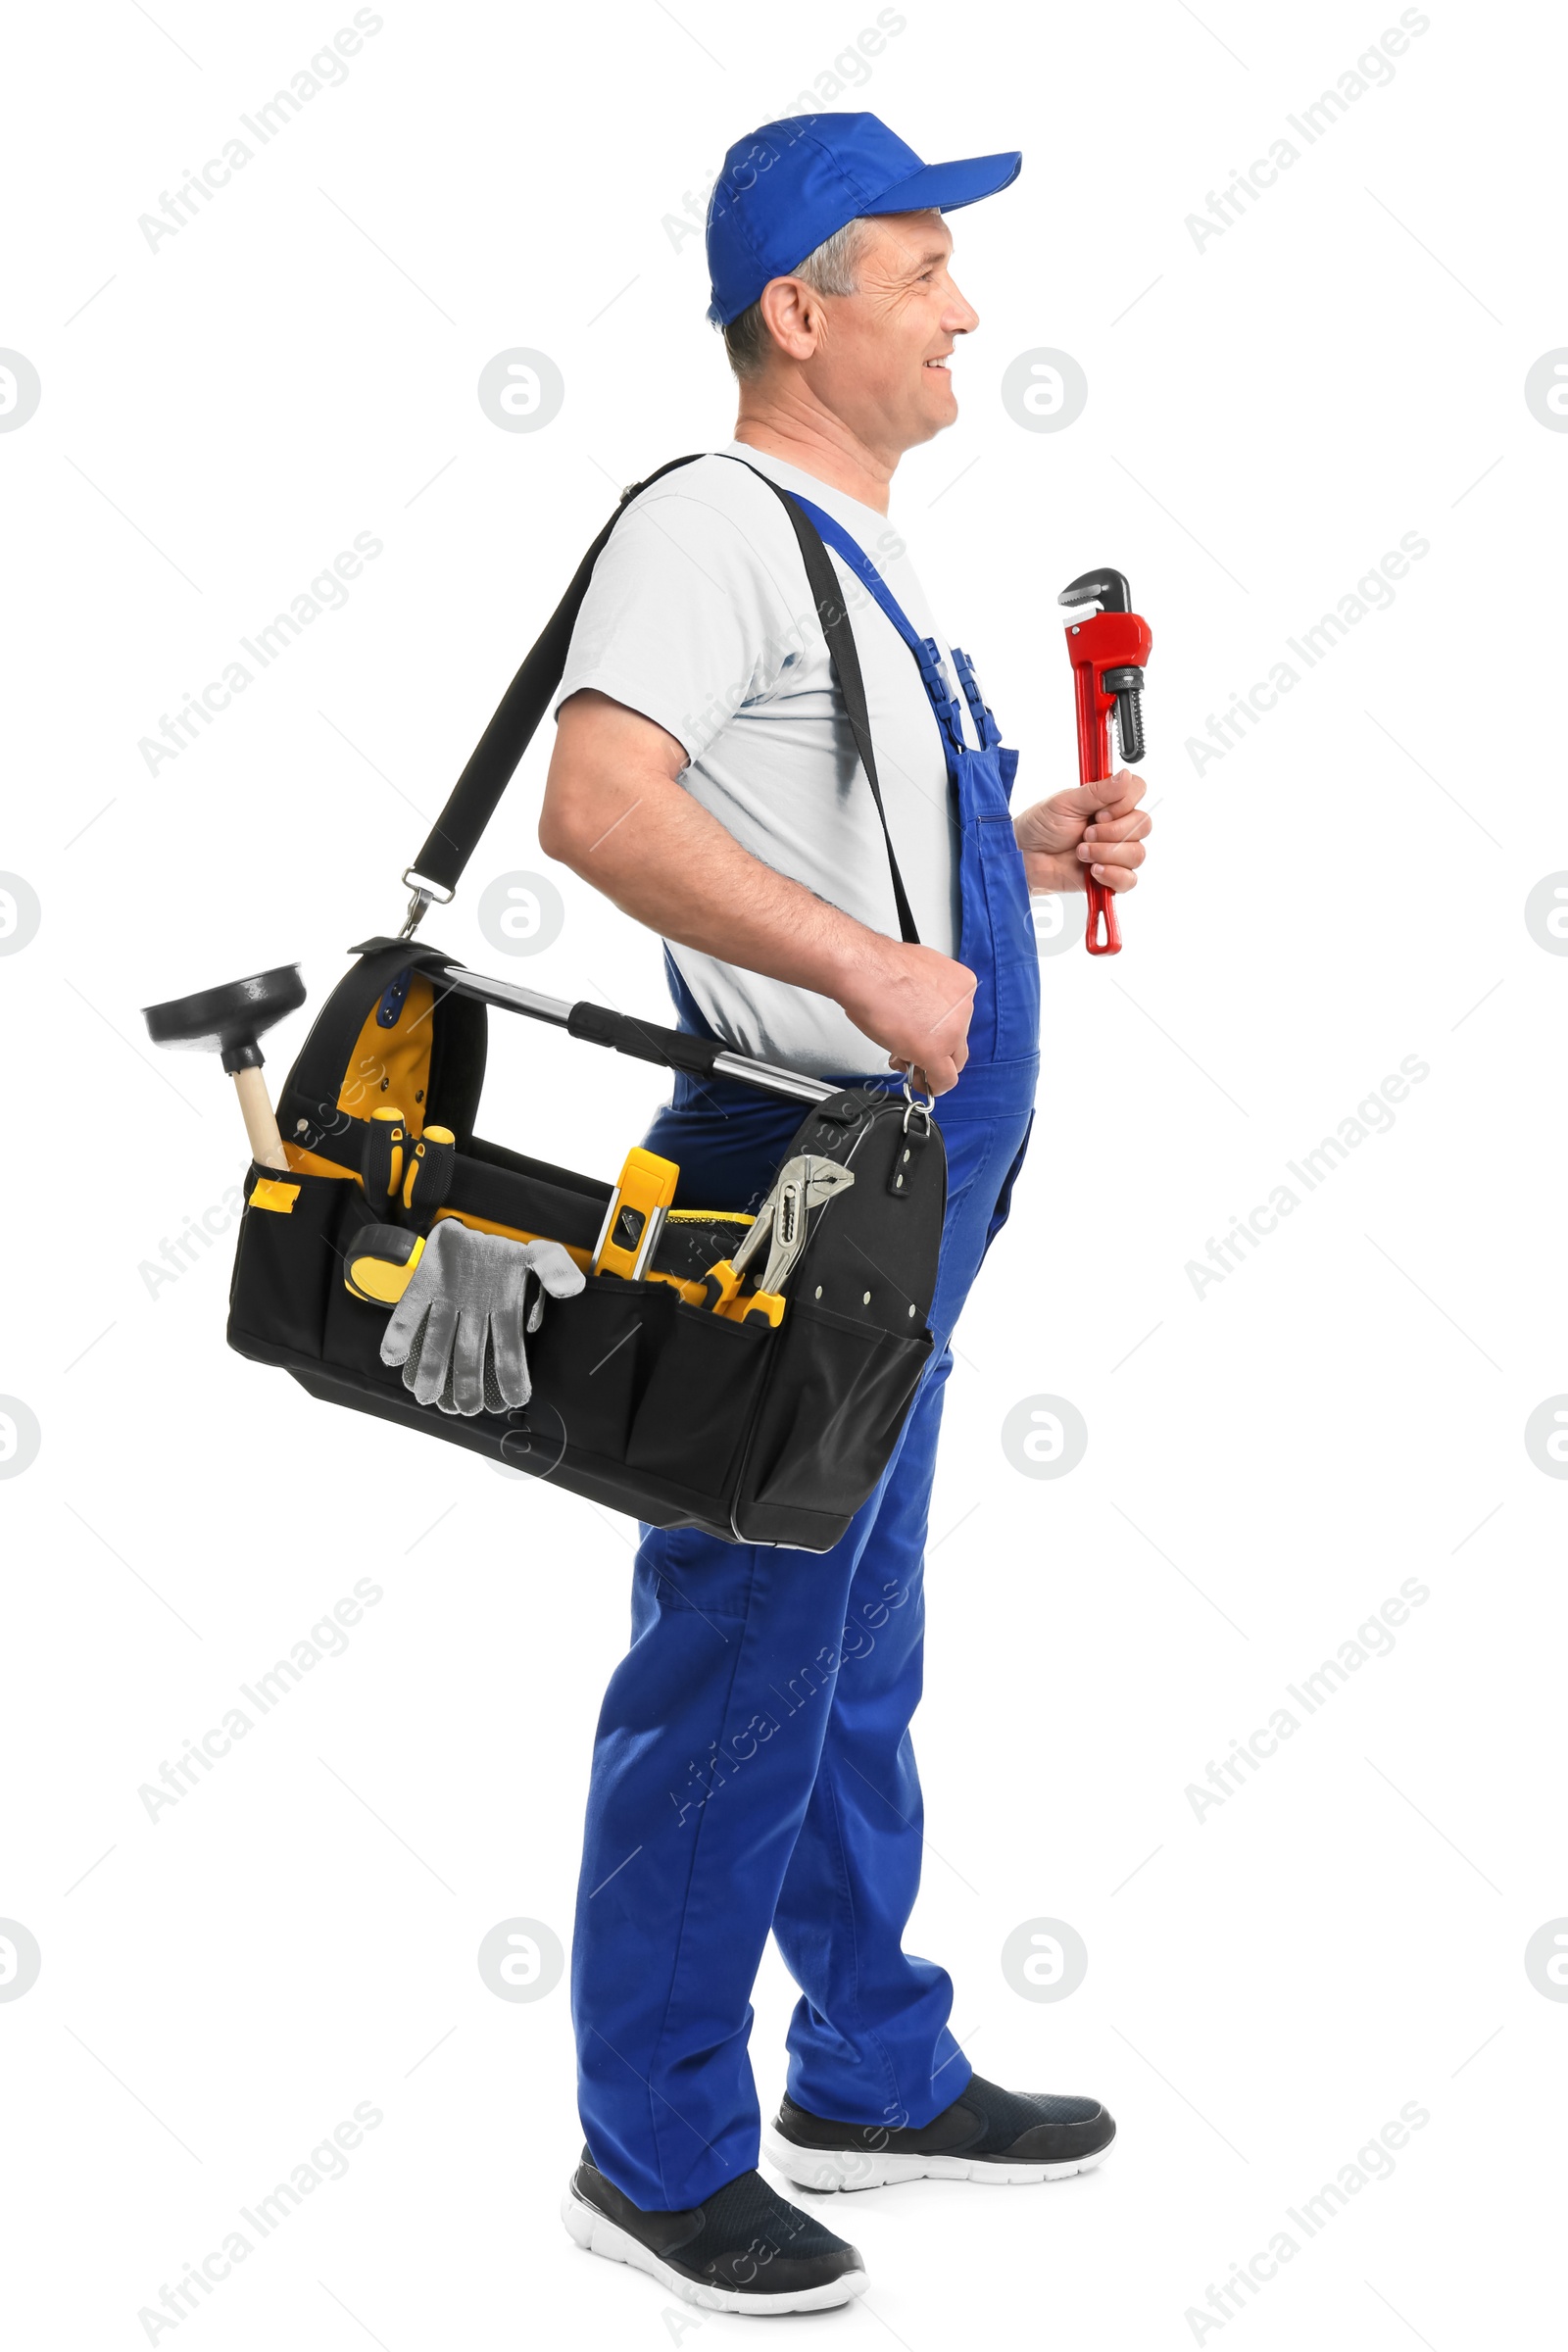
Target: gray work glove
[(458, 1328)]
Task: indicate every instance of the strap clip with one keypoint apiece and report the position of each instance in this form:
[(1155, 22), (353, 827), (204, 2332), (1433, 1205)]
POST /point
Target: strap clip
[(924, 1109), (426, 894)]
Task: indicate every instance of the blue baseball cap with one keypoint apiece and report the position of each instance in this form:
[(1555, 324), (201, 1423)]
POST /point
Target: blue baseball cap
[(791, 185)]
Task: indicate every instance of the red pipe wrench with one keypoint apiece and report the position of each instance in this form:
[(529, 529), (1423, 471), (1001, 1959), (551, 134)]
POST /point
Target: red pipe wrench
[(1108, 650)]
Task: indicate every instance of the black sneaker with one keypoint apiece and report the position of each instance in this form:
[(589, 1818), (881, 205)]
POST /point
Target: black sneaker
[(746, 2249), (1005, 2136)]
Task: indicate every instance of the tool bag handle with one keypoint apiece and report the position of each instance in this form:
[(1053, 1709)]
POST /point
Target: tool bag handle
[(476, 794)]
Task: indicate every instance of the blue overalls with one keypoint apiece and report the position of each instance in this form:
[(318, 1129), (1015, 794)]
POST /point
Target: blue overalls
[(753, 1767)]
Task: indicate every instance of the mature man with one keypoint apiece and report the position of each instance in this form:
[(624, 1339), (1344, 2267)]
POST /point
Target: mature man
[(753, 1769)]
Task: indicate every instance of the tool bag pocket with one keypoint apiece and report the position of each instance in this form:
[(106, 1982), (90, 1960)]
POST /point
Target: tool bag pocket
[(831, 1415), (289, 1262), (589, 1362), (354, 1329), (695, 1409), (592, 1358)]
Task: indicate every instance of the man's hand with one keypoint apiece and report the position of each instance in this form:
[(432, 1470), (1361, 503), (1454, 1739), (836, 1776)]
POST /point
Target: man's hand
[(1094, 829), (915, 1002)]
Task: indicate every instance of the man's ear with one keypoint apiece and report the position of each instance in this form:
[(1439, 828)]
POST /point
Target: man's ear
[(793, 315)]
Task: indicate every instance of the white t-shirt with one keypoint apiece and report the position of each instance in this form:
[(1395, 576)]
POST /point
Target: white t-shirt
[(699, 616)]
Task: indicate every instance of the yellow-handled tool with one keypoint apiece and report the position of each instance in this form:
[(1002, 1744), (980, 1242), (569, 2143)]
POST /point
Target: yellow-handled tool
[(427, 1176), (722, 1296), (767, 1306), (381, 1150), (379, 1263), (643, 1191), (721, 1286)]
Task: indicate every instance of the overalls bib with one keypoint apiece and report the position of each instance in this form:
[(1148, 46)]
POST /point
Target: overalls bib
[(752, 1768)]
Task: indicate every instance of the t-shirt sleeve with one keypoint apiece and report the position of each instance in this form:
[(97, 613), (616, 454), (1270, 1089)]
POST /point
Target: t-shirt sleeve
[(679, 621)]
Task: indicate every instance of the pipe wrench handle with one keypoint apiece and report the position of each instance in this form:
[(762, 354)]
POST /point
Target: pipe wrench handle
[(1102, 932)]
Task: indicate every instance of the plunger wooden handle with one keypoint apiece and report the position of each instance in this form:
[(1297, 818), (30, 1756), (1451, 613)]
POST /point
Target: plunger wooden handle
[(266, 1145)]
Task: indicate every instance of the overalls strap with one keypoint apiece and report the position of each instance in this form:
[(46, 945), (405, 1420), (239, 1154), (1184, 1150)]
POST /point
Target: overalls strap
[(986, 728), (926, 652), (845, 660)]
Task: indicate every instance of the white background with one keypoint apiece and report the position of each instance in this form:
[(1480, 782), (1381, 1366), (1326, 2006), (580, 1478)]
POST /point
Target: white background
[(1267, 416)]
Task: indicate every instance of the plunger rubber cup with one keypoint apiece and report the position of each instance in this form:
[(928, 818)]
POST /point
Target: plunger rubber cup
[(228, 1021)]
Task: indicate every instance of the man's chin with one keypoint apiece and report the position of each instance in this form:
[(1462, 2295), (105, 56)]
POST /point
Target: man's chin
[(940, 409)]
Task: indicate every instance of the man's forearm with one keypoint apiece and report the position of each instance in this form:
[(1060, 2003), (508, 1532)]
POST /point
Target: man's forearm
[(665, 860), (689, 880), (615, 811)]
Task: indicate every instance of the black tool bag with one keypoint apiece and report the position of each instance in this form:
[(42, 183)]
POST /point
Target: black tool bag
[(641, 1400)]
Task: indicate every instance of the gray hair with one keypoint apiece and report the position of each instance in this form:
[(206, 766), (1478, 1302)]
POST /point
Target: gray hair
[(833, 268)]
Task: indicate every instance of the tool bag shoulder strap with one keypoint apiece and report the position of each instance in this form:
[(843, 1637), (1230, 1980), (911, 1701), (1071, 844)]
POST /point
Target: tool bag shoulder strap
[(476, 794)]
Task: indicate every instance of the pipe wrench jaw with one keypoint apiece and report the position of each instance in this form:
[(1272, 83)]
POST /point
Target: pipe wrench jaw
[(1127, 686), (1107, 589), (1109, 651), (1109, 647)]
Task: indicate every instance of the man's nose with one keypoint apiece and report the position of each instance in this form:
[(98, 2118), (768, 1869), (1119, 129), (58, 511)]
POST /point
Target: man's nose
[(959, 318)]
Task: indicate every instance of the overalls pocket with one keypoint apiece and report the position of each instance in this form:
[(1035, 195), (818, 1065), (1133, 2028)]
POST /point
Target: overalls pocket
[(1002, 1210), (1015, 951)]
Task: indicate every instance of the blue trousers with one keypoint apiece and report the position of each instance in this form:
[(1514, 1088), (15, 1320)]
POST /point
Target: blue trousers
[(753, 1767)]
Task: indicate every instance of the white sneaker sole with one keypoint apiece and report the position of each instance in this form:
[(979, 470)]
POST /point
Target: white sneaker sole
[(596, 2235), (866, 2168)]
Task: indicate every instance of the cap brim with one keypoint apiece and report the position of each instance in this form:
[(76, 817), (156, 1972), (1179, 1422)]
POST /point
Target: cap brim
[(943, 187)]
